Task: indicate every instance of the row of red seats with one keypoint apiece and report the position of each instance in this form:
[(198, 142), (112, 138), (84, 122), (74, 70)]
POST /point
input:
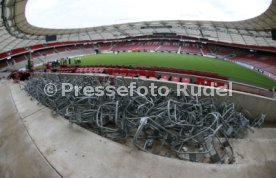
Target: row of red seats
[(90, 70), (206, 82), (3, 55), (144, 74), (131, 73), (67, 70), (18, 51), (172, 70), (141, 74), (175, 79), (147, 72), (36, 47)]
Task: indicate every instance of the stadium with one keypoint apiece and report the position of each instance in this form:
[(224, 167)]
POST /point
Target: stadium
[(51, 127)]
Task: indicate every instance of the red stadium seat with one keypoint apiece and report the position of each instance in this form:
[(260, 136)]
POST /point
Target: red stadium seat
[(153, 78), (151, 74), (185, 80), (142, 73), (175, 79), (124, 72), (116, 72), (109, 71), (165, 78)]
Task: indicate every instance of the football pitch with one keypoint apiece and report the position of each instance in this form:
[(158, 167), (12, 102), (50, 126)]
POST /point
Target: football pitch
[(189, 62)]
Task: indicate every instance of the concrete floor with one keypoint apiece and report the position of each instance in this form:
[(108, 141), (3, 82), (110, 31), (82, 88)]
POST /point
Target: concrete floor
[(33, 143), (19, 156)]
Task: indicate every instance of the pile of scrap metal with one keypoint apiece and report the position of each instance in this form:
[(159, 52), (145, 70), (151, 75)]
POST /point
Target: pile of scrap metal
[(187, 127)]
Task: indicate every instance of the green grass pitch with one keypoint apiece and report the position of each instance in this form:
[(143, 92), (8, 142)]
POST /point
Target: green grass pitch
[(189, 62)]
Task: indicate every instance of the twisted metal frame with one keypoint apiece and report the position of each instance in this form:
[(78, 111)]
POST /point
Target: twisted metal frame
[(187, 127)]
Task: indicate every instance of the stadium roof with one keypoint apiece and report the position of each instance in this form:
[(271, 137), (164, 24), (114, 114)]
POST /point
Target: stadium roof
[(58, 14), (16, 32)]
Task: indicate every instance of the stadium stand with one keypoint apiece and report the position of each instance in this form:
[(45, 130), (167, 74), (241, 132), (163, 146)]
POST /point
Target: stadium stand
[(170, 46), (149, 46), (105, 47), (264, 62), (231, 41), (193, 48)]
